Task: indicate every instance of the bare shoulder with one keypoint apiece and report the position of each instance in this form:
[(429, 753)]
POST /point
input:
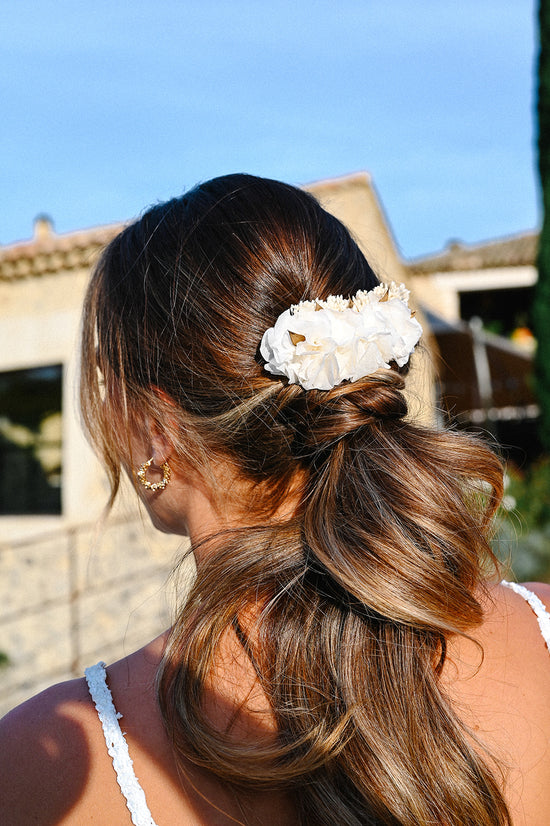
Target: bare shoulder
[(509, 640), (45, 754), (515, 607), (499, 682), (54, 764), (39, 719), (541, 590), (512, 636)]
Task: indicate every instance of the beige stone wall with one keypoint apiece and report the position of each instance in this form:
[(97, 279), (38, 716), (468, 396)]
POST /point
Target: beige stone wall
[(39, 326), (436, 297), (440, 291), (70, 597), (354, 201)]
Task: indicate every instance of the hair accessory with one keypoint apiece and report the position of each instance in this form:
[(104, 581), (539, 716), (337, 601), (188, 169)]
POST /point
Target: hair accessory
[(319, 344), (161, 484)]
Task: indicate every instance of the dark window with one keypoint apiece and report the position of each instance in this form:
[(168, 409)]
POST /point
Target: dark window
[(502, 311), (30, 441)]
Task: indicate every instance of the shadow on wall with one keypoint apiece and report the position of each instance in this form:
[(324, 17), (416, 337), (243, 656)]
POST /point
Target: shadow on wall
[(25, 487), (30, 441)]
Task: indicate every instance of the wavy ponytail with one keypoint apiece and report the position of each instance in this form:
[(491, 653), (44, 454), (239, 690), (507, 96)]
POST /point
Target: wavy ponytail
[(360, 594), (356, 594)]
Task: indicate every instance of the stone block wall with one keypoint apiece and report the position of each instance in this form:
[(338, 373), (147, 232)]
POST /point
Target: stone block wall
[(72, 597)]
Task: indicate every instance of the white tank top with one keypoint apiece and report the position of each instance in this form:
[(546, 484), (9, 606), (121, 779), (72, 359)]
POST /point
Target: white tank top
[(118, 748)]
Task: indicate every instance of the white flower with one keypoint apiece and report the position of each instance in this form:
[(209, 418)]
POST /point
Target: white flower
[(303, 305), (335, 302), (319, 344)]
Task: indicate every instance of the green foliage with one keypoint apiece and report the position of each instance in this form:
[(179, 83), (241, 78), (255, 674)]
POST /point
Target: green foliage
[(523, 528), (532, 493), (523, 535), (541, 302), (4, 659)]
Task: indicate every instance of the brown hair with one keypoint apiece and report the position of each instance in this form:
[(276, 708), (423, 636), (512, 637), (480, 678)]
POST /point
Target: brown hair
[(360, 589)]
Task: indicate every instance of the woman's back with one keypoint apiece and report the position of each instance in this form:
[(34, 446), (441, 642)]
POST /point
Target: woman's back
[(56, 769), (502, 692)]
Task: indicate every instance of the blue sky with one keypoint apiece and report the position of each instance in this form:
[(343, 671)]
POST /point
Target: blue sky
[(107, 107)]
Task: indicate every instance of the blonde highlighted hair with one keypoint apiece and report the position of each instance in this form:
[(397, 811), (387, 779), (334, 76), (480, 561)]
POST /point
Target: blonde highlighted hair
[(360, 589)]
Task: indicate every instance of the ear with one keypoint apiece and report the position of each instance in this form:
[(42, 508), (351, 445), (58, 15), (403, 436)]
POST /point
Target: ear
[(161, 445)]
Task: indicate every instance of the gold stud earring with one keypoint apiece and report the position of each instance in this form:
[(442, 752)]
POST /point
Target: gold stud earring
[(161, 484)]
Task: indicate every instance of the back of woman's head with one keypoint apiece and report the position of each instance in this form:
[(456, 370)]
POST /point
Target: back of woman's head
[(180, 301), (360, 586)]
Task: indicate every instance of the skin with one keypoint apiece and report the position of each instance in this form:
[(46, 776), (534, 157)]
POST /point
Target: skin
[(54, 767)]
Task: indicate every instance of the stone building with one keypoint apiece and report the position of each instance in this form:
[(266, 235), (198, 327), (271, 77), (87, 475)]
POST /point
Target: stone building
[(477, 298), (494, 280), (68, 588), (72, 593)]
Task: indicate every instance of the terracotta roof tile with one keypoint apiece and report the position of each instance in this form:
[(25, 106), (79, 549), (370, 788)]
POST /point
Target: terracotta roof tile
[(52, 253), (514, 251)]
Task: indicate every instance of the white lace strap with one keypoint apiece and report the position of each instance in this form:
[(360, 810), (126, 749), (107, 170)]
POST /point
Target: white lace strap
[(537, 605), (117, 746)]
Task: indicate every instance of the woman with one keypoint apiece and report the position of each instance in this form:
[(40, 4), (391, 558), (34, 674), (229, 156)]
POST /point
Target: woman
[(343, 657)]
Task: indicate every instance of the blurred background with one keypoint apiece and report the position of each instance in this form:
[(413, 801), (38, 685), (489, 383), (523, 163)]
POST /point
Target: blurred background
[(415, 123)]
